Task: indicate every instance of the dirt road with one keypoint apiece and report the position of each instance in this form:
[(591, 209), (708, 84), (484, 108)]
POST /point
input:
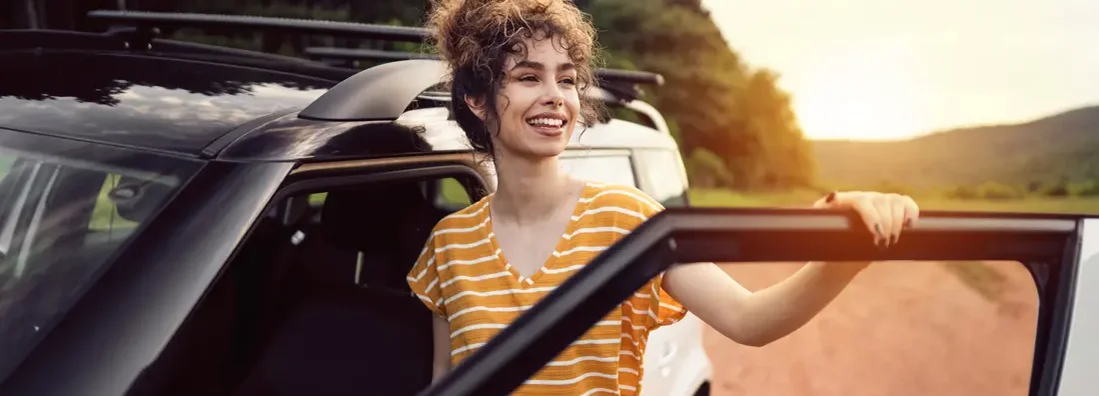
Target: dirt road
[(901, 329)]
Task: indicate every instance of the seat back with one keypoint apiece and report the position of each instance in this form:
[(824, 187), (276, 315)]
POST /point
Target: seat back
[(356, 328)]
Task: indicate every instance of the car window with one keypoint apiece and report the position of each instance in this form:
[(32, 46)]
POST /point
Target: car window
[(61, 219), (665, 179), (451, 194), (447, 193), (917, 322), (105, 215), (614, 169), (950, 325)]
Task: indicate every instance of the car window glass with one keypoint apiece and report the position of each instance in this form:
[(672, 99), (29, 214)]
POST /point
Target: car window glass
[(614, 169), (61, 219), (6, 163), (451, 194), (663, 171), (942, 327), (105, 215), (446, 193)]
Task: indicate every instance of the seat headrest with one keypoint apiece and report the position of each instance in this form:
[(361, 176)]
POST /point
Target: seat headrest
[(366, 218), (137, 198), (387, 222)]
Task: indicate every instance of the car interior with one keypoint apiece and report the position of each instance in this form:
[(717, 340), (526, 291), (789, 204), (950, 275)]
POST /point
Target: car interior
[(316, 302)]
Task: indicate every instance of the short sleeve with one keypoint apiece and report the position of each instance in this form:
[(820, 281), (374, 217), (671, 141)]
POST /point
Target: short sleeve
[(667, 309), (423, 279)]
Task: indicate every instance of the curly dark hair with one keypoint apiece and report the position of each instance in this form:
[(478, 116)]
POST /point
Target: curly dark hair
[(476, 37)]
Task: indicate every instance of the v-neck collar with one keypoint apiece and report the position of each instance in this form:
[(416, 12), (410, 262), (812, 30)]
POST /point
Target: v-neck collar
[(550, 261)]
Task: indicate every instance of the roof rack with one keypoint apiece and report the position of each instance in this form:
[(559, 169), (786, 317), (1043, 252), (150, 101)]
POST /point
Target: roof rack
[(356, 98), (620, 83), (149, 21)]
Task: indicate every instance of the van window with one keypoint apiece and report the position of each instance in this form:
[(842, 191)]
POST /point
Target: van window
[(664, 176), (612, 169)]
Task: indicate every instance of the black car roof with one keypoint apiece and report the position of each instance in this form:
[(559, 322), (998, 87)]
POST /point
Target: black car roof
[(171, 105), (125, 86)]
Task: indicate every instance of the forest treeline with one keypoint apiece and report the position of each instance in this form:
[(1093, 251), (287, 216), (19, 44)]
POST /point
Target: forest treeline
[(1053, 157)]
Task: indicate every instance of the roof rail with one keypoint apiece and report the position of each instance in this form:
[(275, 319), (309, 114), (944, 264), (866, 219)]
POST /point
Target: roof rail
[(152, 20), (379, 93), (621, 83), (357, 97)]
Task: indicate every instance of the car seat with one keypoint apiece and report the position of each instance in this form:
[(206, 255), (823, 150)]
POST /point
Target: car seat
[(354, 327)]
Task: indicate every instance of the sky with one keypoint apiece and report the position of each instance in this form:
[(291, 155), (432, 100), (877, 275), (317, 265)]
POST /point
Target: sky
[(894, 69)]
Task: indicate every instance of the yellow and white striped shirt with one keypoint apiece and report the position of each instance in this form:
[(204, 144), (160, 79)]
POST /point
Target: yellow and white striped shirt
[(461, 275)]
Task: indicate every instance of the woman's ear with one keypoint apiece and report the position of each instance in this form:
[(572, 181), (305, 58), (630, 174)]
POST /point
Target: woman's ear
[(477, 106)]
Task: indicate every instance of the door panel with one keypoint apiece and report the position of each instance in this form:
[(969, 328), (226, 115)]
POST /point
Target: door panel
[(1082, 349), (1046, 244)]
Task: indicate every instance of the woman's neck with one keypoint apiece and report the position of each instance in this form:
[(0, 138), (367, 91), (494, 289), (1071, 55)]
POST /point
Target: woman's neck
[(529, 190)]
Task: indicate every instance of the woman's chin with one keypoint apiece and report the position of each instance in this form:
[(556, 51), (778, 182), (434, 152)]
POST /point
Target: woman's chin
[(531, 145), (542, 149)]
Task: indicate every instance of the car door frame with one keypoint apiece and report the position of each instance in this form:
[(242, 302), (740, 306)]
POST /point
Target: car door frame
[(1048, 245), (675, 357), (302, 179)]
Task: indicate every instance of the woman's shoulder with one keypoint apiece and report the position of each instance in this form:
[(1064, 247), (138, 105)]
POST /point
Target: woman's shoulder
[(621, 196), (468, 219)]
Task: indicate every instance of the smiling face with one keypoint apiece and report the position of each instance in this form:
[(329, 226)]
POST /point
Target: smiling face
[(538, 102)]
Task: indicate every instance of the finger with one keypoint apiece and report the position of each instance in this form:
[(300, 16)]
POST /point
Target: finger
[(869, 215), (885, 216), (898, 206), (825, 201), (911, 211)]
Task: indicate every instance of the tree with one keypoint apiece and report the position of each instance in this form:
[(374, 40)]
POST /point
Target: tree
[(717, 102)]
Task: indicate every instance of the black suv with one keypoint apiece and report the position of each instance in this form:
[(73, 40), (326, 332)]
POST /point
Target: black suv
[(177, 218)]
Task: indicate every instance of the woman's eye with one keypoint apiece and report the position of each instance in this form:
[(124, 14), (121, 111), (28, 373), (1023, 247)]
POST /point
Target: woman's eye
[(569, 81), (528, 77)]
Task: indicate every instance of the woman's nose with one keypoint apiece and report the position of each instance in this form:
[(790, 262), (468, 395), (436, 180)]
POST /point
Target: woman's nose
[(554, 96), (555, 101)]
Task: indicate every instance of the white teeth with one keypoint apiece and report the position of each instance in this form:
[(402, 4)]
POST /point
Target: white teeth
[(546, 121)]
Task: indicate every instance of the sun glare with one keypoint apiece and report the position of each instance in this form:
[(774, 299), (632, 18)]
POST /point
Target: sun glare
[(865, 93)]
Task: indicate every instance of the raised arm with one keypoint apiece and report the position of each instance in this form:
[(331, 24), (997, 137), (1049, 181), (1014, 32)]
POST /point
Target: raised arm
[(757, 319)]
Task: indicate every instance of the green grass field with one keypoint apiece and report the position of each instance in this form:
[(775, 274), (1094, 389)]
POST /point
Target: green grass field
[(728, 198)]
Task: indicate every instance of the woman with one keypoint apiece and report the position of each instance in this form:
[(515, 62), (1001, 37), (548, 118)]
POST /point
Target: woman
[(520, 68)]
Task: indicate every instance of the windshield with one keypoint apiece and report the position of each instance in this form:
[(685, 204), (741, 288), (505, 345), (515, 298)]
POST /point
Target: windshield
[(66, 208)]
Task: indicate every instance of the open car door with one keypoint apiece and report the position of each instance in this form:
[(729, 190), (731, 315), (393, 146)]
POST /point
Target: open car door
[(1050, 246)]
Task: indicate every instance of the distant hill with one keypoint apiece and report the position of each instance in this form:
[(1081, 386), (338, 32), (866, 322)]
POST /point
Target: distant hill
[(1061, 147)]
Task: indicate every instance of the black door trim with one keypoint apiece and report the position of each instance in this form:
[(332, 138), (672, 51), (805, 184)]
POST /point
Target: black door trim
[(412, 172)]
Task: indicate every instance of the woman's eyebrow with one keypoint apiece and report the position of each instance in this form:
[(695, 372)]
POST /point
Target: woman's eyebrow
[(539, 66)]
